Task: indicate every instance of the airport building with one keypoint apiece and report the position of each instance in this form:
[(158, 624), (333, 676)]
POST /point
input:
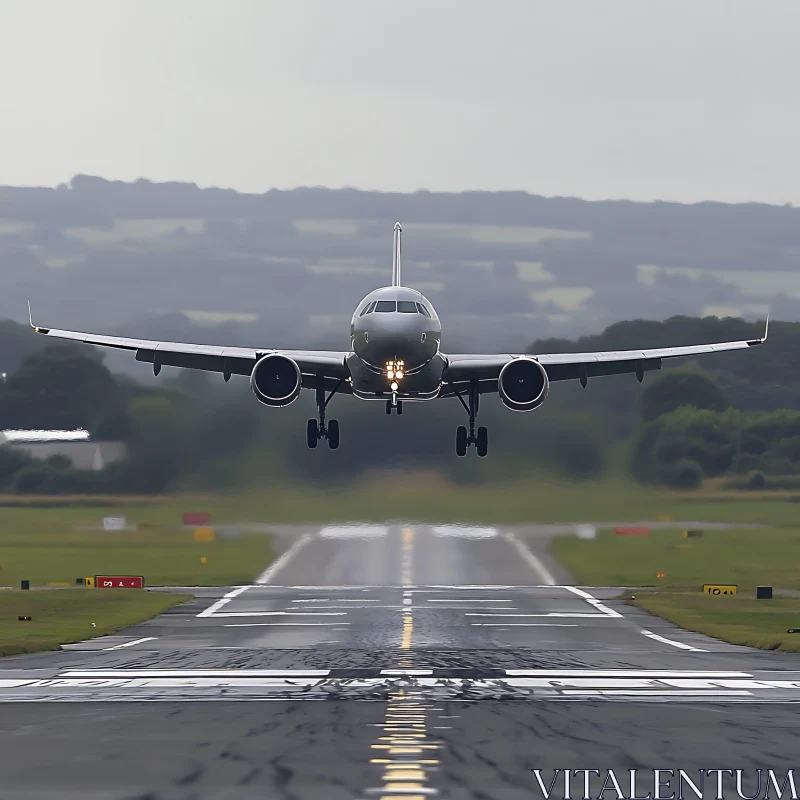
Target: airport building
[(75, 445)]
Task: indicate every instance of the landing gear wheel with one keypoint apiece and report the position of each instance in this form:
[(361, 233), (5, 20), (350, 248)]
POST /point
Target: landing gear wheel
[(399, 407), (333, 434), (461, 441), (312, 433), (482, 442), (388, 407)]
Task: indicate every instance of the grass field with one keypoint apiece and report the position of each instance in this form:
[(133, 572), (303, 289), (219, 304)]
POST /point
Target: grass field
[(737, 619), (66, 615), (748, 558), (424, 497), (51, 545)]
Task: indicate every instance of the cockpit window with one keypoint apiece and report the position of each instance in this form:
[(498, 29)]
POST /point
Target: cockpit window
[(386, 305), (364, 310), (422, 310), (371, 307), (406, 307)]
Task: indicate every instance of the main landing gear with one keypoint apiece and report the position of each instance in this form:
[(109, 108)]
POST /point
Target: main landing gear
[(316, 430), (465, 437)]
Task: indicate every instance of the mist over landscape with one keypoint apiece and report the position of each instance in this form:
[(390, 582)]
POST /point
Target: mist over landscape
[(287, 268)]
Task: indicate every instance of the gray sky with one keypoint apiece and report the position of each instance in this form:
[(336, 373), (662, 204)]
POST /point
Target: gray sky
[(643, 99)]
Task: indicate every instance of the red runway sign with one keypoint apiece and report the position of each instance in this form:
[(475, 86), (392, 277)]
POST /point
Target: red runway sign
[(632, 531), (196, 518), (119, 582)]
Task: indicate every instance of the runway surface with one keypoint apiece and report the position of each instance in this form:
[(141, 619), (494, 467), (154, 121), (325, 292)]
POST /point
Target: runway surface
[(385, 662)]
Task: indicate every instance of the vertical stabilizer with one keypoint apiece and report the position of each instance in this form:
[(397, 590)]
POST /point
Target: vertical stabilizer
[(396, 257)]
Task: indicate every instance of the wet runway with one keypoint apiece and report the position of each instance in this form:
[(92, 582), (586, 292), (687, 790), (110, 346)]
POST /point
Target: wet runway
[(385, 662)]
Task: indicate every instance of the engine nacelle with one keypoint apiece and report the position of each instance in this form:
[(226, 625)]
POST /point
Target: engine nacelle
[(276, 380), (523, 384)]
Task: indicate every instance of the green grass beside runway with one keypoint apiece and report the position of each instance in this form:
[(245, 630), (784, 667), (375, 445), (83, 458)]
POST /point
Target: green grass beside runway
[(739, 619), (746, 557), (421, 497), (66, 615), (52, 545)]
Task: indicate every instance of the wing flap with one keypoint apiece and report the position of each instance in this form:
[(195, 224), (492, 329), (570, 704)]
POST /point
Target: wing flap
[(211, 358), (569, 366)]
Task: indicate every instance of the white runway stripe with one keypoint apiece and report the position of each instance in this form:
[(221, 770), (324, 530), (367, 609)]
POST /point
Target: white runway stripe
[(593, 601), (680, 645), (282, 614), (212, 609), (278, 624), (463, 600), (538, 567), (131, 644), (526, 624), (577, 614), (268, 574)]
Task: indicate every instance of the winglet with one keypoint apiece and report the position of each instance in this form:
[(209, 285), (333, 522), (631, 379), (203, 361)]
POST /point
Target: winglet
[(30, 319), (766, 330)]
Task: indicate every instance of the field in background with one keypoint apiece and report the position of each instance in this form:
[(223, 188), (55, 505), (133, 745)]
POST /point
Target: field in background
[(58, 545), (746, 557), (421, 497), (66, 615), (736, 619)]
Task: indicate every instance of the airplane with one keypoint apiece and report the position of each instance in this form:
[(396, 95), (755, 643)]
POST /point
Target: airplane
[(395, 357)]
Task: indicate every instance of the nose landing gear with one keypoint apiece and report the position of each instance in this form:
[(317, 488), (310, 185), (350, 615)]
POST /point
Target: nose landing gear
[(465, 437), (394, 404), (316, 430)]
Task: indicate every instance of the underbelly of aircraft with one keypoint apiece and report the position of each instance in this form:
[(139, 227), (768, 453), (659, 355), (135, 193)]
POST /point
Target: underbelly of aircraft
[(371, 384)]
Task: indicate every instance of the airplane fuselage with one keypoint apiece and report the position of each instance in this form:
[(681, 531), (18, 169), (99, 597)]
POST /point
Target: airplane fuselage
[(395, 335)]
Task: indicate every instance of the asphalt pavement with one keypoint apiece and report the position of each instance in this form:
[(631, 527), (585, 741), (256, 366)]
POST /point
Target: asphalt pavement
[(389, 661)]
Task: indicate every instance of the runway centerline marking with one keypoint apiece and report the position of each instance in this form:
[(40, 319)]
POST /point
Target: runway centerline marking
[(269, 573), (533, 561), (131, 644), (407, 558)]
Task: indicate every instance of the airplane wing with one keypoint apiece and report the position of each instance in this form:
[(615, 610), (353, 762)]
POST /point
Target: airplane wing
[(568, 366), (212, 358)]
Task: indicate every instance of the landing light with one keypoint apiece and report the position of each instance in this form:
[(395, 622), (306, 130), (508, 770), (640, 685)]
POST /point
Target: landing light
[(390, 375), (399, 375), (394, 386)]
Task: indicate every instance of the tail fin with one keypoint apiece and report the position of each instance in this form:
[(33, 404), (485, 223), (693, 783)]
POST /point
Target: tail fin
[(396, 258)]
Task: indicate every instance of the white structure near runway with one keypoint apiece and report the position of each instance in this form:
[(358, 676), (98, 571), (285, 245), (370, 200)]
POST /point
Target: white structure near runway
[(75, 445)]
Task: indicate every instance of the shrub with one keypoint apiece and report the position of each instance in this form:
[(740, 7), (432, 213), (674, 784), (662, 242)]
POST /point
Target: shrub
[(683, 474)]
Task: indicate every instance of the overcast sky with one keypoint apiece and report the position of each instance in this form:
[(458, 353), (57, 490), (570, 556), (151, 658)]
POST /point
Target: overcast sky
[(643, 99)]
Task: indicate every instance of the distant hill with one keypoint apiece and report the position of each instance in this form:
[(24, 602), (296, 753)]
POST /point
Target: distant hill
[(502, 268)]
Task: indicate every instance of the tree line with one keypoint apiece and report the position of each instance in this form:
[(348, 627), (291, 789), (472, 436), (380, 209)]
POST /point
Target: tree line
[(715, 416)]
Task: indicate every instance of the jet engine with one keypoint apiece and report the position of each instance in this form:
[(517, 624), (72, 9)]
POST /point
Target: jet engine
[(523, 384), (276, 380)]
